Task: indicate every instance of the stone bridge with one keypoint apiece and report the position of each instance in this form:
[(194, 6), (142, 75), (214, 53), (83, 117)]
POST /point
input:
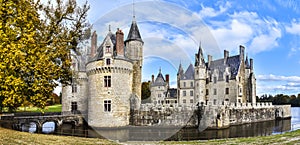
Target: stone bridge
[(19, 121)]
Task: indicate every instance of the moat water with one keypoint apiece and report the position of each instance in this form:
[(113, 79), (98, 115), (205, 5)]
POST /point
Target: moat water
[(245, 130)]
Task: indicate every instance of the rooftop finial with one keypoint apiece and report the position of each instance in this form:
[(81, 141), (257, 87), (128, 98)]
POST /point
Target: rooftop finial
[(109, 28), (133, 10), (159, 69)]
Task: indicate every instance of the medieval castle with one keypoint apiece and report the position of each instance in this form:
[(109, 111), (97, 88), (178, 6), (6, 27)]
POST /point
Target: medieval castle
[(106, 87)]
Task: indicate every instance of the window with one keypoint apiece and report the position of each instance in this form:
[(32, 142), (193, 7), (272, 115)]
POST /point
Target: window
[(183, 101), (207, 80), (107, 49), (159, 95), (191, 101), (207, 92), (108, 61), (184, 84), (227, 91), (192, 84), (107, 81), (197, 84), (175, 101), (227, 78), (215, 80), (107, 105), (215, 101), (215, 91), (73, 106), (184, 93), (191, 93), (197, 72), (74, 87)]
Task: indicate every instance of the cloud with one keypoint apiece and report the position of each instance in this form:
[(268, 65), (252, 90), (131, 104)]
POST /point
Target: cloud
[(241, 27), (272, 77), (210, 12), (293, 51), (293, 28)]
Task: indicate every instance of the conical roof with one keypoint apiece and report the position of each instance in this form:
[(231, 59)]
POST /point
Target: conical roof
[(134, 33)]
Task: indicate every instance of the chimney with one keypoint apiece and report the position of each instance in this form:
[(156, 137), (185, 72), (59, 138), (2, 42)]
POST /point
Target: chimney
[(167, 79), (209, 57), (93, 44), (226, 55), (242, 53), (120, 42), (251, 64), (152, 78)]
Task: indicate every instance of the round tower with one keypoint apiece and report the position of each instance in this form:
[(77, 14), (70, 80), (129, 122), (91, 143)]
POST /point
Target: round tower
[(110, 84)]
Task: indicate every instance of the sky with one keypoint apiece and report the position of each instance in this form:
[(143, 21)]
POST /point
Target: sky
[(173, 30)]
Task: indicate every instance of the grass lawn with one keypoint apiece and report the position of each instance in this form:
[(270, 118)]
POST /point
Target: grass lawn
[(11, 137), (52, 108)]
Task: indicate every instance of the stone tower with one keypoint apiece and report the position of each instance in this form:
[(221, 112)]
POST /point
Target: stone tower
[(134, 51), (110, 84), (200, 77)]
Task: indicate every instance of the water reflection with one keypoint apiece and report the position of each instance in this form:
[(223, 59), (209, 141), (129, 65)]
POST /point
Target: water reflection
[(245, 130), (48, 127), (31, 127)]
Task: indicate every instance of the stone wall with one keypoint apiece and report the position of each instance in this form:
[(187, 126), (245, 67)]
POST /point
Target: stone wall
[(207, 116)]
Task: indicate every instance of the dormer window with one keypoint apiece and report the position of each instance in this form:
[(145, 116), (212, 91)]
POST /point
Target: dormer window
[(107, 49)]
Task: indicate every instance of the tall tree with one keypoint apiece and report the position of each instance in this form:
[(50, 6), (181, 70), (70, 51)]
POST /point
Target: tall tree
[(35, 44)]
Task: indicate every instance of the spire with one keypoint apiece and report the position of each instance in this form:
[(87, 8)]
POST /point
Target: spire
[(199, 60), (134, 33), (247, 62), (180, 70)]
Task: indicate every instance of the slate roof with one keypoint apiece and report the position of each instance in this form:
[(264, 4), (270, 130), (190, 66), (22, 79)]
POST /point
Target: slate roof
[(233, 62), (99, 53), (172, 92), (189, 74), (134, 33), (159, 81)]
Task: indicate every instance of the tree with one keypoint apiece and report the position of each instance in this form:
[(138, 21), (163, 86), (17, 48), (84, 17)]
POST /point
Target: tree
[(36, 41), (146, 90)]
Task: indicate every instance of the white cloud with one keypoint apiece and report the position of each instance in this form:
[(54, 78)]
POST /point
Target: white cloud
[(243, 27), (210, 12), (293, 28), (272, 77), (293, 51)]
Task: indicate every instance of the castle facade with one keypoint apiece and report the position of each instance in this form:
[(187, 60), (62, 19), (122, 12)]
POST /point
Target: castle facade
[(106, 88), (227, 80), (107, 83)]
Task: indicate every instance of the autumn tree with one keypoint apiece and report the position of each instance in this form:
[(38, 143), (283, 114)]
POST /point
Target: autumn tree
[(35, 44)]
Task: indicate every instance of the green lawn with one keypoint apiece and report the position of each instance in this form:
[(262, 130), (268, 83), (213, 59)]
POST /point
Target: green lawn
[(52, 108)]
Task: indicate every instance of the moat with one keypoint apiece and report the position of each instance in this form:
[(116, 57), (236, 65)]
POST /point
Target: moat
[(246, 130)]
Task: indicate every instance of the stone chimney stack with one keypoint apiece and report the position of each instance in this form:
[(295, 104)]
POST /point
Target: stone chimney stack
[(168, 79), (93, 44), (251, 64), (226, 55), (152, 78), (242, 53), (120, 42), (209, 57)]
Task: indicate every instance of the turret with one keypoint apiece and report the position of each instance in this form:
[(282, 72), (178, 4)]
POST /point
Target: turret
[(134, 51)]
